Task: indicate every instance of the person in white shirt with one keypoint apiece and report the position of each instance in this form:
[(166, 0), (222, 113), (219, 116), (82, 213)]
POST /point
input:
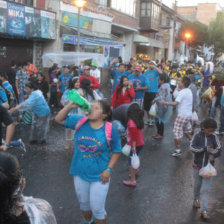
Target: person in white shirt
[(183, 101), (95, 72)]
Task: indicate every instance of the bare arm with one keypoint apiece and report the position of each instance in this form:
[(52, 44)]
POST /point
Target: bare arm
[(61, 116)]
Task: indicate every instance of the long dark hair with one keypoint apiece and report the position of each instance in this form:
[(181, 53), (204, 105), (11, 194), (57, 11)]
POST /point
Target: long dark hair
[(136, 114), (106, 109), (72, 82), (10, 178), (86, 86), (121, 85)]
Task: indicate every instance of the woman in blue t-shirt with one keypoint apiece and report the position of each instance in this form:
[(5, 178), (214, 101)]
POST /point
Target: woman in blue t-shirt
[(97, 149)]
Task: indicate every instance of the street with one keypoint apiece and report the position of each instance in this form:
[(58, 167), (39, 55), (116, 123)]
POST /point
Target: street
[(164, 193)]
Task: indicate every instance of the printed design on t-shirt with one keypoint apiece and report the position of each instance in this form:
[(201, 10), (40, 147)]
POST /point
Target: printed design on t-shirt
[(151, 78), (137, 81), (92, 149)]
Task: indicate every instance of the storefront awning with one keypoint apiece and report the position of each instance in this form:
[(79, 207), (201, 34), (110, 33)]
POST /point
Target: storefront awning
[(142, 40), (73, 39)]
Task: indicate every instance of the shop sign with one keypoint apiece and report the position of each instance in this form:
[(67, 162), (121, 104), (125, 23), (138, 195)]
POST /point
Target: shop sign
[(16, 19), (26, 21), (73, 39), (71, 19), (3, 17)]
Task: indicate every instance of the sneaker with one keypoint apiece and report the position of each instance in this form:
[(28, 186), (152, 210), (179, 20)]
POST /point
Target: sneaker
[(22, 145), (204, 215), (151, 123), (176, 153), (147, 122), (196, 204), (130, 183)]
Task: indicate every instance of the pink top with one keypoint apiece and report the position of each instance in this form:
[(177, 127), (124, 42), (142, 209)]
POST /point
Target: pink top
[(134, 134)]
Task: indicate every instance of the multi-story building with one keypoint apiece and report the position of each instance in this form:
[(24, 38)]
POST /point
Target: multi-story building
[(25, 28), (159, 25), (105, 26), (203, 12)]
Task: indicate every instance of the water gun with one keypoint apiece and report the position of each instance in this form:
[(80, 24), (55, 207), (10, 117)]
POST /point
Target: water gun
[(75, 97)]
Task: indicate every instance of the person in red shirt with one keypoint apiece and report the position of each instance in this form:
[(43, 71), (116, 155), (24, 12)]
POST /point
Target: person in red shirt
[(32, 69), (123, 93), (86, 75)]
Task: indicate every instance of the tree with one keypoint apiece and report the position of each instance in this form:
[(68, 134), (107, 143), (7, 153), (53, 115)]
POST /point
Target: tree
[(198, 31), (216, 33)]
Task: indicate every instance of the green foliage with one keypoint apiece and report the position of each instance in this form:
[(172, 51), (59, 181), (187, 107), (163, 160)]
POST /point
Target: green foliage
[(216, 32), (202, 34), (198, 31)]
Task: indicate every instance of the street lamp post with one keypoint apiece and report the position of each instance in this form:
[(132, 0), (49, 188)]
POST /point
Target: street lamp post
[(187, 37), (79, 4)]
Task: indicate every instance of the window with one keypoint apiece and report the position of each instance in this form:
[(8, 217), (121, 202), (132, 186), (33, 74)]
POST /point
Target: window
[(146, 9), (28, 2), (125, 6)]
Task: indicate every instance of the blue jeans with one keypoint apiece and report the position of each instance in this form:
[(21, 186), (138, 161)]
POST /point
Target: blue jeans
[(213, 107), (221, 129), (21, 99), (203, 185), (92, 196)]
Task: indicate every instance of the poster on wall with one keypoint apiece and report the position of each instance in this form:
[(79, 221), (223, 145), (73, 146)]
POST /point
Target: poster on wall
[(36, 24), (16, 19), (3, 17), (71, 19), (29, 20), (47, 25)]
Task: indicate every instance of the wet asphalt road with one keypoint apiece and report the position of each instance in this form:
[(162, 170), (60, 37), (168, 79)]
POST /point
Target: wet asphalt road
[(164, 193)]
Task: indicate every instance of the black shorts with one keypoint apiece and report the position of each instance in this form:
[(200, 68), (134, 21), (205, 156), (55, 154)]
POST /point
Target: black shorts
[(148, 98)]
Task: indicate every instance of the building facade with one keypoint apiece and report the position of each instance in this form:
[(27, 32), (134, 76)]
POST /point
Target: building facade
[(203, 12), (25, 27)]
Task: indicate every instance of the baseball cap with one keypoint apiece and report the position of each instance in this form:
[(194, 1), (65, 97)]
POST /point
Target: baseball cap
[(138, 68), (86, 67)]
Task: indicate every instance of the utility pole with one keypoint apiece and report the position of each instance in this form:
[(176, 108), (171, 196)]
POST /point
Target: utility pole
[(174, 27)]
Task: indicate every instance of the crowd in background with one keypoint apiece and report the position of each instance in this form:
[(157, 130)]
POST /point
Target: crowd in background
[(136, 86)]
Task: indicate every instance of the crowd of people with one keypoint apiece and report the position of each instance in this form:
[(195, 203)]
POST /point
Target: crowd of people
[(159, 89)]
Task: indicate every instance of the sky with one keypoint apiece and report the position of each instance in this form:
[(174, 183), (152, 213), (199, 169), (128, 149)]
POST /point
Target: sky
[(191, 2)]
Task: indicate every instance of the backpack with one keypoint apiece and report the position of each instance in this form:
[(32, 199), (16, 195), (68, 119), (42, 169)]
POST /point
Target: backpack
[(11, 97), (108, 128)]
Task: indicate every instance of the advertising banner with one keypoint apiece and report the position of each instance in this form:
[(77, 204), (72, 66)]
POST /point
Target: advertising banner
[(16, 19), (36, 24), (47, 25), (3, 17), (29, 20), (73, 39), (71, 19)]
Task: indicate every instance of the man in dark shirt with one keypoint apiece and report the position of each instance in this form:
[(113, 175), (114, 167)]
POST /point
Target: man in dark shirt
[(6, 119), (11, 73)]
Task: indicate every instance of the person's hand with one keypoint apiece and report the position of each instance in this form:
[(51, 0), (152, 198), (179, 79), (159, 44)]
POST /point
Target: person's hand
[(3, 147), (211, 159), (133, 149), (153, 101), (105, 176), (72, 105), (111, 107), (12, 110), (162, 102), (18, 92), (130, 83), (211, 150)]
